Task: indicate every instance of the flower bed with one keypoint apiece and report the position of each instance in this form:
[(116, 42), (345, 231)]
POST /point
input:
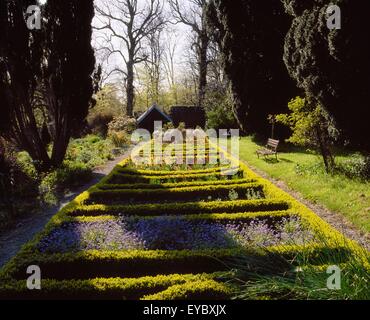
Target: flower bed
[(158, 233)]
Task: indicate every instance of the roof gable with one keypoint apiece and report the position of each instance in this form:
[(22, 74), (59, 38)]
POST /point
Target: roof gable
[(154, 107)]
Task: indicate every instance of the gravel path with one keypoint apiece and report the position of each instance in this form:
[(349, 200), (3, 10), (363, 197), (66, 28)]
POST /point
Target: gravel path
[(12, 239)]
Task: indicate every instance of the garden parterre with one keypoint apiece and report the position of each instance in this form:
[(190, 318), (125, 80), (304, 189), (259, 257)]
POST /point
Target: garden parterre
[(167, 232)]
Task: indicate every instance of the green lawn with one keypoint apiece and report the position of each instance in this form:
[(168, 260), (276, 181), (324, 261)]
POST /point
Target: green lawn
[(303, 172)]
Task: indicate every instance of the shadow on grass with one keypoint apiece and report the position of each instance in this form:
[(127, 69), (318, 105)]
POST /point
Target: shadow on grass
[(272, 160)]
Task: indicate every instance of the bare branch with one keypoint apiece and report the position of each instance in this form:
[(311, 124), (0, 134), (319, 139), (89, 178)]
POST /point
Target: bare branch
[(128, 23)]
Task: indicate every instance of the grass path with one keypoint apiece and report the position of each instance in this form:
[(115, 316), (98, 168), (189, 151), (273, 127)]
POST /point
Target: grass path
[(300, 171)]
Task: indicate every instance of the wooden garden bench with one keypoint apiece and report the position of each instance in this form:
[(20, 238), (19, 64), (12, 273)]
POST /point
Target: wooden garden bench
[(269, 149)]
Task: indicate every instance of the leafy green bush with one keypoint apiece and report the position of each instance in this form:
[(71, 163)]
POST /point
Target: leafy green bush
[(120, 139), (122, 123), (98, 123), (26, 164), (82, 156), (311, 127), (91, 150), (18, 184), (100, 288), (219, 111), (120, 130), (108, 105), (356, 167), (71, 174)]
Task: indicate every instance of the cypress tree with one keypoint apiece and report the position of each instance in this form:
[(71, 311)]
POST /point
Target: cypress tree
[(333, 66), (251, 36), (56, 63)]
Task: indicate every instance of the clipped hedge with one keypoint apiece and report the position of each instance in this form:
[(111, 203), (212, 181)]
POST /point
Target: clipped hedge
[(180, 208), (133, 263), (270, 216), (101, 288), (172, 194), (126, 264), (119, 178), (107, 186), (138, 263), (197, 290), (129, 171)]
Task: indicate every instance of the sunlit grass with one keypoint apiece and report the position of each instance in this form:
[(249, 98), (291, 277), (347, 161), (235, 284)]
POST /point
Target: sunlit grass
[(303, 172)]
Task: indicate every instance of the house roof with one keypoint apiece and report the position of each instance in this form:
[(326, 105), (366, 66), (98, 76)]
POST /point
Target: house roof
[(150, 110)]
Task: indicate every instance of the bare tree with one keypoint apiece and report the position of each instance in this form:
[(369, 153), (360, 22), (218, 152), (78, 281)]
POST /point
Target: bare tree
[(153, 64), (169, 54), (216, 75), (194, 16), (125, 25)]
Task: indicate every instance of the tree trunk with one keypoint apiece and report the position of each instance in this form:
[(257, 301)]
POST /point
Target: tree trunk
[(325, 151), (203, 64), (6, 186), (60, 145), (27, 134), (130, 88)]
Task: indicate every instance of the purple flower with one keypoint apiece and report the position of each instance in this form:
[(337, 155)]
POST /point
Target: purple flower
[(173, 233)]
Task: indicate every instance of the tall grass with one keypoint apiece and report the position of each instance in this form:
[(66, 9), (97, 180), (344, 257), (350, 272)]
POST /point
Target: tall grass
[(279, 278)]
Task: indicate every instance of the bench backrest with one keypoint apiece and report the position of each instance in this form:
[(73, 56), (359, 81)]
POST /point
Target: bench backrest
[(272, 144)]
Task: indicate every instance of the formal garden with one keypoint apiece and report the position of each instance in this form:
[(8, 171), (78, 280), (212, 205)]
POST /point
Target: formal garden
[(184, 150), (168, 233)]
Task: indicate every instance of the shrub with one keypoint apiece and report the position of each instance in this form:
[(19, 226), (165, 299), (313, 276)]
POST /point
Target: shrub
[(81, 271), (119, 138), (26, 164), (122, 123), (18, 181), (311, 127), (91, 150), (219, 111), (355, 167), (120, 130), (71, 174), (98, 123), (108, 105)]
